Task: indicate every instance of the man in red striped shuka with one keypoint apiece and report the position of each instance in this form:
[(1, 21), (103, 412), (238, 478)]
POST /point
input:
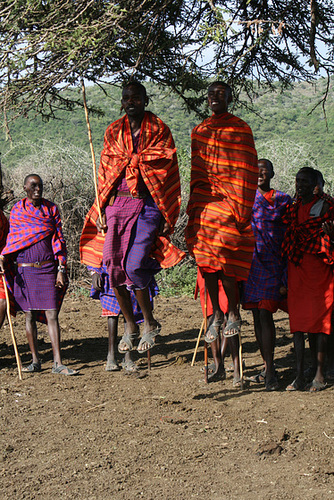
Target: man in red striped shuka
[(219, 235), (140, 197)]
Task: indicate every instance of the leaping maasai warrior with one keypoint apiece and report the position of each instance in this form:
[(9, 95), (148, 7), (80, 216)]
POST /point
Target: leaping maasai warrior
[(267, 279), (35, 241), (222, 190), (139, 195)]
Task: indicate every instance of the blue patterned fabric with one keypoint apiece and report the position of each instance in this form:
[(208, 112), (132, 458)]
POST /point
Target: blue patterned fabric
[(108, 299), (269, 270)]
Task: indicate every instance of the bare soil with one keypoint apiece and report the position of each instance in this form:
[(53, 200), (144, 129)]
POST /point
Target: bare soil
[(164, 434)]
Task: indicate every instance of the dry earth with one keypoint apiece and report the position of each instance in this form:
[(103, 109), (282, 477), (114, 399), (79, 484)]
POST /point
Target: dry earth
[(164, 434)]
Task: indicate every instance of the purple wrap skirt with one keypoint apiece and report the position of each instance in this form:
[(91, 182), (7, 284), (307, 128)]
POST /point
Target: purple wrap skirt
[(34, 288), (132, 229)]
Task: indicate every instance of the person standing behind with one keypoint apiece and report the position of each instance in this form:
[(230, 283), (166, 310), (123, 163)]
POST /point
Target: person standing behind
[(310, 253), (140, 195), (310, 372), (222, 190), (102, 291), (267, 276), (35, 241)]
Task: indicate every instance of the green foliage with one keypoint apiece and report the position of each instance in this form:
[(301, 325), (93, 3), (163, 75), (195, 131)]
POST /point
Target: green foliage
[(277, 117), (178, 281), (48, 46)]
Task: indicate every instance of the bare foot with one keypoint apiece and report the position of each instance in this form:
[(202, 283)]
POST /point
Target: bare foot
[(219, 374)]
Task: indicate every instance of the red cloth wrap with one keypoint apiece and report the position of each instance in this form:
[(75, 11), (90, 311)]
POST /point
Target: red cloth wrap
[(223, 184), (156, 161), (29, 224)]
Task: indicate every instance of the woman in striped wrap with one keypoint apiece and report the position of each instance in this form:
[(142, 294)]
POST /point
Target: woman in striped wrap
[(222, 190)]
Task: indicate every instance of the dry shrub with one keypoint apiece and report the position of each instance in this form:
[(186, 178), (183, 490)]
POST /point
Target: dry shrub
[(288, 157)]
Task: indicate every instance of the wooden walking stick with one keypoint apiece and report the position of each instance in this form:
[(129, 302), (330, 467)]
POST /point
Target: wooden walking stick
[(197, 343), (240, 364), (92, 151), (149, 359), (17, 356), (206, 369)]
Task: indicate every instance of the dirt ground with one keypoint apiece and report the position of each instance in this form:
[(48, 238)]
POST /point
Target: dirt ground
[(165, 434)]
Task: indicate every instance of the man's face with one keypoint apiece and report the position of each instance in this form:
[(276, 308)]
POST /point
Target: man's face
[(304, 185), (218, 98), (133, 102), (265, 174), (34, 188)]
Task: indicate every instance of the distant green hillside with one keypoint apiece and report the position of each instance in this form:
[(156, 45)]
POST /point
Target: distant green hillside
[(278, 117)]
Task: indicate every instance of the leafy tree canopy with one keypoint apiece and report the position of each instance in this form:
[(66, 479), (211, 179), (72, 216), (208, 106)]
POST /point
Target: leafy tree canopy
[(49, 45)]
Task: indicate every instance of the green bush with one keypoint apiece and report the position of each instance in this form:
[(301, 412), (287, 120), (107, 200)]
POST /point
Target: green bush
[(179, 280)]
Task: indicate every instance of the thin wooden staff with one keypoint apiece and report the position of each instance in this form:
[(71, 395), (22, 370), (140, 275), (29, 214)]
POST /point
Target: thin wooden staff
[(17, 356), (197, 343), (240, 363), (206, 369), (149, 359), (92, 152)]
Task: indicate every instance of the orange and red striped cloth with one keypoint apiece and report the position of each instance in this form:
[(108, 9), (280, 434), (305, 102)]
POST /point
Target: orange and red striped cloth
[(223, 184), (156, 161)]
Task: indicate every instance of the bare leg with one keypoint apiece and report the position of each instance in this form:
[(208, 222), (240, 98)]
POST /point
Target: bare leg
[(112, 341), (258, 334), (124, 301), (3, 310), (150, 323), (223, 345), (218, 348), (215, 348), (318, 346), (330, 356), (143, 298), (299, 344), (313, 349), (219, 373), (258, 329), (31, 331), (268, 339), (211, 282), (230, 287), (54, 334), (234, 347)]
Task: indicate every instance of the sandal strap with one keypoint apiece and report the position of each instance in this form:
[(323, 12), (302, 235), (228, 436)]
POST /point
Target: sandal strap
[(214, 330), (149, 338), (233, 325), (127, 340)]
